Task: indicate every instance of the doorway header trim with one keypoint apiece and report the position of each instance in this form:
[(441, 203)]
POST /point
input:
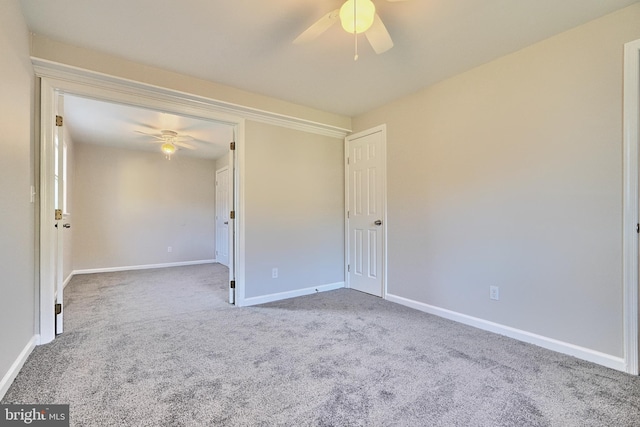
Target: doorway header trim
[(56, 70)]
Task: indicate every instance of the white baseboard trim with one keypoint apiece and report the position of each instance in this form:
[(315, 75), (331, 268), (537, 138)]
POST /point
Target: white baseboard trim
[(13, 371), (292, 294), (583, 353), (68, 279), (142, 267)]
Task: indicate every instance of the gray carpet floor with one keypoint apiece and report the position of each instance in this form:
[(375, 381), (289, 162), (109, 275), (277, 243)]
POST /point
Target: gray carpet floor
[(163, 348)]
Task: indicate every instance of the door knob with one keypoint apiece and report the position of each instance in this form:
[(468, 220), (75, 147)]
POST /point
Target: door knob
[(378, 222), (226, 222), (67, 225)]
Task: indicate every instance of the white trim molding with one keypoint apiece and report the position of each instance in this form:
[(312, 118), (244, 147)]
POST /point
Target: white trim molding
[(13, 371), (263, 299), (47, 242), (142, 267), (520, 335), (67, 280), (630, 204), (55, 70)]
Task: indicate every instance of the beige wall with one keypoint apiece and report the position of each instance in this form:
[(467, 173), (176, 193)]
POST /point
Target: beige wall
[(294, 192), (17, 315), (511, 175), (130, 206)]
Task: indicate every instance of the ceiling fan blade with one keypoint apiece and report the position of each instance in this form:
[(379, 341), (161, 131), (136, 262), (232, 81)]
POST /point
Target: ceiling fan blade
[(378, 36), (184, 145), (181, 138), (322, 25), (149, 134), (138, 124)]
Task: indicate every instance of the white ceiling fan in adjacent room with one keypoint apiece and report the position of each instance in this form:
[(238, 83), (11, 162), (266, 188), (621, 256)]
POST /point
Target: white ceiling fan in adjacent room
[(356, 17), (170, 141)]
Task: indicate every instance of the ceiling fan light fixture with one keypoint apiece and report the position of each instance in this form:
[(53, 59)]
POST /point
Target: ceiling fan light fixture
[(168, 148), (356, 16)]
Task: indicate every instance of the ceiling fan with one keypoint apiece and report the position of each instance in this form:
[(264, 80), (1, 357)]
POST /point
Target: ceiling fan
[(356, 17), (170, 141)]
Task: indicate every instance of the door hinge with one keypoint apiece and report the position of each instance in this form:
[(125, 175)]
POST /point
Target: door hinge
[(348, 213), (59, 120), (58, 309), (58, 214), (232, 215), (638, 228), (232, 146), (347, 160), (232, 284), (349, 268)]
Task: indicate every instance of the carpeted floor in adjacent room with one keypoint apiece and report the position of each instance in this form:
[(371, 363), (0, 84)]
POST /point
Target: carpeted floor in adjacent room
[(163, 348)]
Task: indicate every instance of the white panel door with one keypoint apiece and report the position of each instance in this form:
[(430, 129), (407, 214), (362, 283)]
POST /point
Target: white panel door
[(222, 216), (365, 211)]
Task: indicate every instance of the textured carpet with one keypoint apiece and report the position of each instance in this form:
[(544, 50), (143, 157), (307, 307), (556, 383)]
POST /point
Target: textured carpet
[(163, 348)]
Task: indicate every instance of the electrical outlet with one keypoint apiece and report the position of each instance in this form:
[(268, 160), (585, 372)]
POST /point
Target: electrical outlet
[(494, 293), (274, 273), (169, 249)]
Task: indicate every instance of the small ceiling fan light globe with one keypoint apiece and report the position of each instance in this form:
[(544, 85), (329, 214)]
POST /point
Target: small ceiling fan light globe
[(168, 148), (365, 13)]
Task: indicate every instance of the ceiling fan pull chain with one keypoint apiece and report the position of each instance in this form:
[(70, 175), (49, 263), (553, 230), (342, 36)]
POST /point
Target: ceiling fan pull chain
[(355, 34)]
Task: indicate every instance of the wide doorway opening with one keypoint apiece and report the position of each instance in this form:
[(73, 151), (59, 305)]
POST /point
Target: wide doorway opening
[(129, 183)]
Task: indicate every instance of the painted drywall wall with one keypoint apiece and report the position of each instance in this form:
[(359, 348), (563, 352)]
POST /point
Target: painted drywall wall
[(17, 287), (130, 206), (294, 204), (87, 59), (511, 175)]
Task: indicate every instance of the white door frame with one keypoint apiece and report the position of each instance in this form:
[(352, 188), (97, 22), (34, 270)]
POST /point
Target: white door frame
[(59, 231), (57, 79), (631, 195), (48, 241), (383, 129), (229, 203)]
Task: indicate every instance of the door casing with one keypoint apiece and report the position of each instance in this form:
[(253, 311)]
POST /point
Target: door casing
[(631, 206)]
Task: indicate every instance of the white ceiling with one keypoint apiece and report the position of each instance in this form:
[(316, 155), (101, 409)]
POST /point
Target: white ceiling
[(247, 43), (102, 123)]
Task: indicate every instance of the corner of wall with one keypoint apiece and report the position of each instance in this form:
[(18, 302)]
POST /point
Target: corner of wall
[(13, 371)]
